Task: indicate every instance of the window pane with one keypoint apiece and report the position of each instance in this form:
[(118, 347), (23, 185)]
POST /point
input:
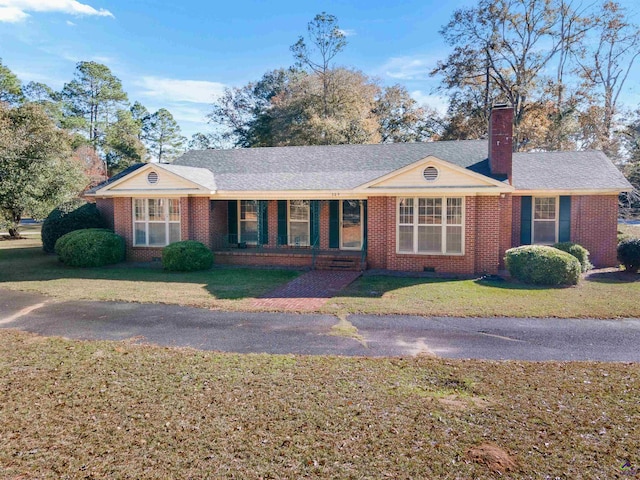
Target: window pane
[(544, 208), (174, 232), (299, 210), (249, 231), (544, 232), (139, 209), (157, 209), (454, 239), (248, 210), (454, 211), (429, 211), (299, 233), (157, 234), (406, 210), (405, 239), (430, 239), (140, 235), (174, 210)]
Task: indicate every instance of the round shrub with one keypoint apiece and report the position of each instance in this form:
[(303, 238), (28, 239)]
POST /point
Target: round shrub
[(186, 256), (629, 254), (542, 265), (90, 247), (68, 217), (578, 251)]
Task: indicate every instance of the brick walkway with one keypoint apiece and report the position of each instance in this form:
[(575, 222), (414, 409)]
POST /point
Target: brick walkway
[(307, 292)]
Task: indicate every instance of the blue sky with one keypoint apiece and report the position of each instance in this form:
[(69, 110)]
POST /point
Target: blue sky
[(180, 55)]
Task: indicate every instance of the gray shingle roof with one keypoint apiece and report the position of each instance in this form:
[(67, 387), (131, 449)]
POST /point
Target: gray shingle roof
[(344, 167), (566, 171), (202, 176), (326, 167)]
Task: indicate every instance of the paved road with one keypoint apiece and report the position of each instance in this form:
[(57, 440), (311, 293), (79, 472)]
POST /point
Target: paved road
[(388, 335)]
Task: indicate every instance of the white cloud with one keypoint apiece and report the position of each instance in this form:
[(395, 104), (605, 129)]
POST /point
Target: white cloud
[(70, 23), (438, 102), (409, 67), (11, 14), (174, 90), (347, 32), (16, 10)]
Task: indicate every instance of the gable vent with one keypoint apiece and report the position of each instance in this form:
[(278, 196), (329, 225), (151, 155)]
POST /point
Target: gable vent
[(430, 174), (152, 178)]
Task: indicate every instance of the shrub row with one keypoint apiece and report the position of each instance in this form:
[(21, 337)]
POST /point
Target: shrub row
[(68, 217), (186, 256), (90, 247), (629, 254), (543, 265)]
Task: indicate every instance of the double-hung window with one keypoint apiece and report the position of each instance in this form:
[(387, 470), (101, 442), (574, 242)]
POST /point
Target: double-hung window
[(545, 220), (430, 225), (248, 219), (156, 221), (299, 224)]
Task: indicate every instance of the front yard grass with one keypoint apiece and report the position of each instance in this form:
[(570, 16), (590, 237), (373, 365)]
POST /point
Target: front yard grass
[(610, 294), (601, 295), (73, 409), (24, 266)]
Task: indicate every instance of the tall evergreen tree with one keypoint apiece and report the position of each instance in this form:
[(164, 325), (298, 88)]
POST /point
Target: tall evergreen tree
[(93, 99), (163, 138)]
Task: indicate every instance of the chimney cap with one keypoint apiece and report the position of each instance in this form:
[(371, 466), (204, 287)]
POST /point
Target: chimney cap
[(501, 105)]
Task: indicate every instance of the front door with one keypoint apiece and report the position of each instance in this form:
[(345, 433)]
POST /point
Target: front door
[(351, 224)]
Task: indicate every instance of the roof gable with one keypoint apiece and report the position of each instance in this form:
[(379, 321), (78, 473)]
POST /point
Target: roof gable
[(162, 179), (449, 176)]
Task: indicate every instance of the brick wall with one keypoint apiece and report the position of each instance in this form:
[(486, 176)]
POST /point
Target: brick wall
[(199, 220), (482, 239), (594, 225), (516, 215), (505, 205), (488, 234), (105, 207)]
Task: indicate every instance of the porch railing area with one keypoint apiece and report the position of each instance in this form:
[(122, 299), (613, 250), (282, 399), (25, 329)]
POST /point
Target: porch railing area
[(287, 244)]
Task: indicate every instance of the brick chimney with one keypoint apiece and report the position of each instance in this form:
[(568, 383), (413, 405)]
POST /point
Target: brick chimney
[(501, 140)]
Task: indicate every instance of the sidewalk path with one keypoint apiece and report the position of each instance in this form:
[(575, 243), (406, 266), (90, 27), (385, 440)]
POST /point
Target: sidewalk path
[(313, 334), (307, 292)]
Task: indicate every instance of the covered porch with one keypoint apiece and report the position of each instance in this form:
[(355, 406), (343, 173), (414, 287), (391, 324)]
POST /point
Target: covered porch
[(317, 234)]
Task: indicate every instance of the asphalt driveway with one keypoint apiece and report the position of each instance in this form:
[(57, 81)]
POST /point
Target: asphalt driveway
[(313, 334)]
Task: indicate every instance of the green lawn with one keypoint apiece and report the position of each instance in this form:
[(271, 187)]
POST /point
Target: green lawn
[(24, 266), (74, 409), (602, 294)]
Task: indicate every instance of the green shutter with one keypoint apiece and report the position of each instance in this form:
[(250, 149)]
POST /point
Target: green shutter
[(525, 221), (263, 208), (232, 217), (282, 222), (314, 217), (564, 227), (365, 220), (334, 224)]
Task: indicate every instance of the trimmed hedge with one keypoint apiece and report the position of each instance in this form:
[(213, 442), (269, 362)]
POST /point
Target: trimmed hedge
[(578, 251), (629, 254), (69, 217), (542, 265), (90, 247), (186, 256)]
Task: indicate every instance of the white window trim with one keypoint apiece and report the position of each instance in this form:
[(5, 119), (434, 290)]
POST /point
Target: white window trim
[(444, 224), (253, 242), (146, 221), (533, 219), (308, 222)]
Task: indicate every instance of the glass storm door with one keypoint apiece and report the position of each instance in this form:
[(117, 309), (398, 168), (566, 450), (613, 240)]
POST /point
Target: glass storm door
[(351, 225)]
